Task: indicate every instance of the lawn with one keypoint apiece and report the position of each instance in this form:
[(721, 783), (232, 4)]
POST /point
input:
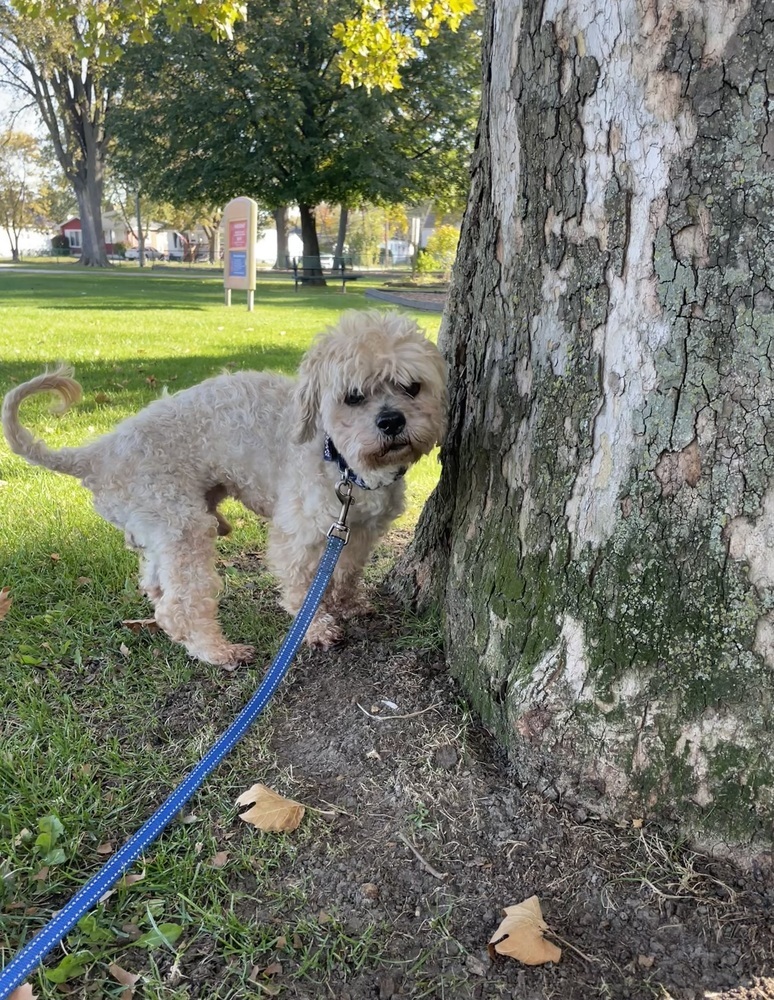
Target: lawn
[(89, 731)]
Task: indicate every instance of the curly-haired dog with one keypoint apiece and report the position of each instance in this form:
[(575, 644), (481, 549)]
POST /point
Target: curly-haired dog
[(370, 399)]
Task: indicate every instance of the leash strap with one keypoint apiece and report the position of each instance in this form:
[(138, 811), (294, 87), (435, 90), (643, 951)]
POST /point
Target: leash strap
[(30, 956)]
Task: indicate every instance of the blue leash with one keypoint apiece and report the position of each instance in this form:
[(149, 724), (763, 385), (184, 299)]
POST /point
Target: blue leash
[(31, 955)]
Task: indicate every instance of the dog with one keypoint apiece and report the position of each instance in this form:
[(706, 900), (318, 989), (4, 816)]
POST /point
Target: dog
[(370, 399)]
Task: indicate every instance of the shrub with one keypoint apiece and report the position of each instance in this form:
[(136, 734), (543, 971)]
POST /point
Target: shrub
[(442, 248)]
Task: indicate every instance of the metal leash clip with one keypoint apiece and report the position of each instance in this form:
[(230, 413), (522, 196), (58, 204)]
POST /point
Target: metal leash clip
[(339, 528)]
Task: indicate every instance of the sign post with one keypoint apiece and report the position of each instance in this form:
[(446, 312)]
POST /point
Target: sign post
[(240, 225)]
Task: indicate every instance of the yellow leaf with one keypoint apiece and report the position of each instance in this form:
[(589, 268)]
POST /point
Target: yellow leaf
[(5, 606), (270, 811), (520, 935)]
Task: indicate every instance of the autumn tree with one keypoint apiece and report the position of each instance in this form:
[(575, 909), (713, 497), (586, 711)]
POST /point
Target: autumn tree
[(19, 210), (60, 54), (269, 115), (600, 541)]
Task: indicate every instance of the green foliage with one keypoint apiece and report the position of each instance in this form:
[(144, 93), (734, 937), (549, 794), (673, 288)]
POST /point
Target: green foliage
[(441, 249), (51, 830), (375, 50), (295, 133), (100, 30), (71, 967)]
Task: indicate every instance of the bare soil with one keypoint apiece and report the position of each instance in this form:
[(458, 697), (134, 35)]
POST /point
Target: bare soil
[(427, 836)]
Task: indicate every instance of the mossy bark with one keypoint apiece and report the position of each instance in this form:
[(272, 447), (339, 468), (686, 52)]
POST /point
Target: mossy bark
[(601, 538)]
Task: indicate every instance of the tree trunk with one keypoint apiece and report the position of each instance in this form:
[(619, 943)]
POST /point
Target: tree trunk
[(341, 237), (311, 245), (281, 224), (600, 540)]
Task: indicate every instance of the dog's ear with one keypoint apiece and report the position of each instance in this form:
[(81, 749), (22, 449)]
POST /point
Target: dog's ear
[(306, 404)]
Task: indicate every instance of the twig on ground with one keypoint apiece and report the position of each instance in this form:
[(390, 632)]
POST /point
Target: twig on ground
[(387, 718), (425, 864)]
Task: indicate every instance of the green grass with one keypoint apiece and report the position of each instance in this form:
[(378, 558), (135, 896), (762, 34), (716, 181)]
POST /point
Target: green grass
[(95, 727)]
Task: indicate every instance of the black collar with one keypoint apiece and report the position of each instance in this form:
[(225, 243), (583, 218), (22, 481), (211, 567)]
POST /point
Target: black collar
[(332, 454)]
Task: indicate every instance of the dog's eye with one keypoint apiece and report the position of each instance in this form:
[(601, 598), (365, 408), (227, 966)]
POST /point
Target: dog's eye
[(354, 398), (413, 389)]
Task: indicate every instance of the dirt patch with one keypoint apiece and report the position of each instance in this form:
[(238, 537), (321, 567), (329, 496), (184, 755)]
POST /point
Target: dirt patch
[(425, 836)]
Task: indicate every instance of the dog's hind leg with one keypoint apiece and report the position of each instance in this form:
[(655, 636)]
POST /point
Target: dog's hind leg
[(188, 606)]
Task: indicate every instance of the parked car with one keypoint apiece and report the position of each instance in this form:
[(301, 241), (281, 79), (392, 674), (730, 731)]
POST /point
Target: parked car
[(151, 253), (180, 254)]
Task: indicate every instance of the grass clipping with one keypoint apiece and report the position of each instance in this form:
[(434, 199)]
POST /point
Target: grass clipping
[(520, 935)]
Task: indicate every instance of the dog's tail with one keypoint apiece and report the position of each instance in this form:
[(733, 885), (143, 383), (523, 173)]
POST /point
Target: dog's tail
[(66, 460)]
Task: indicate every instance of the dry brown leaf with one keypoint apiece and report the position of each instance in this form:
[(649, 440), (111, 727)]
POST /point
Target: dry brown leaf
[(219, 860), (106, 848), (42, 875), (122, 976), (131, 879), (275, 969), (55, 557), (139, 624), (520, 935), (646, 961), (23, 992), (270, 811), (101, 397), (636, 824), (5, 606), (123, 649)]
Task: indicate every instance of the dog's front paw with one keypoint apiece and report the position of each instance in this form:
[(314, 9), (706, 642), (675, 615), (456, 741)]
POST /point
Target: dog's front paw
[(324, 633), (359, 607)]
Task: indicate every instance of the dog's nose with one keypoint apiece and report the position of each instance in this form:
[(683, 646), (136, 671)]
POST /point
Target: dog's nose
[(390, 422)]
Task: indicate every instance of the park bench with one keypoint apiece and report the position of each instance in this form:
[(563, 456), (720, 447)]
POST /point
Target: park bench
[(310, 270)]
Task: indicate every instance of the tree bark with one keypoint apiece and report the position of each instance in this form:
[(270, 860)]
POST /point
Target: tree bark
[(341, 237), (600, 539), (311, 244), (281, 225)]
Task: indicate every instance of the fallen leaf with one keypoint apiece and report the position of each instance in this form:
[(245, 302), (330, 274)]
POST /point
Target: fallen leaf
[(55, 557), (124, 650), (636, 824), (23, 992), (281, 943), (83, 581), (520, 935), (5, 606), (41, 876), (219, 860), (139, 624), (131, 879), (275, 969), (270, 811), (646, 961), (297, 942), (106, 848), (122, 976), (101, 397)]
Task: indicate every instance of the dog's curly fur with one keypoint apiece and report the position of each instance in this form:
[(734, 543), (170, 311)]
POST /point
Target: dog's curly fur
[(373, 384)]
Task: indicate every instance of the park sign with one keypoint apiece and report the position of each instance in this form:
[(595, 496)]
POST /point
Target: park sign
[(240, 227)]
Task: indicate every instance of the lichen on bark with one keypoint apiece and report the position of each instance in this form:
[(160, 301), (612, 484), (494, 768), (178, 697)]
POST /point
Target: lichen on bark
[(602, 511)]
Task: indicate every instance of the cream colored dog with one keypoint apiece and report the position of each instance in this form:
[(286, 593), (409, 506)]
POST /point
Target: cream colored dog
[(370, 399)]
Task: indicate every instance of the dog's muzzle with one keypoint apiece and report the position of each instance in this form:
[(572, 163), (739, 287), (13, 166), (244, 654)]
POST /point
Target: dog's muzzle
[(391, 422)]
